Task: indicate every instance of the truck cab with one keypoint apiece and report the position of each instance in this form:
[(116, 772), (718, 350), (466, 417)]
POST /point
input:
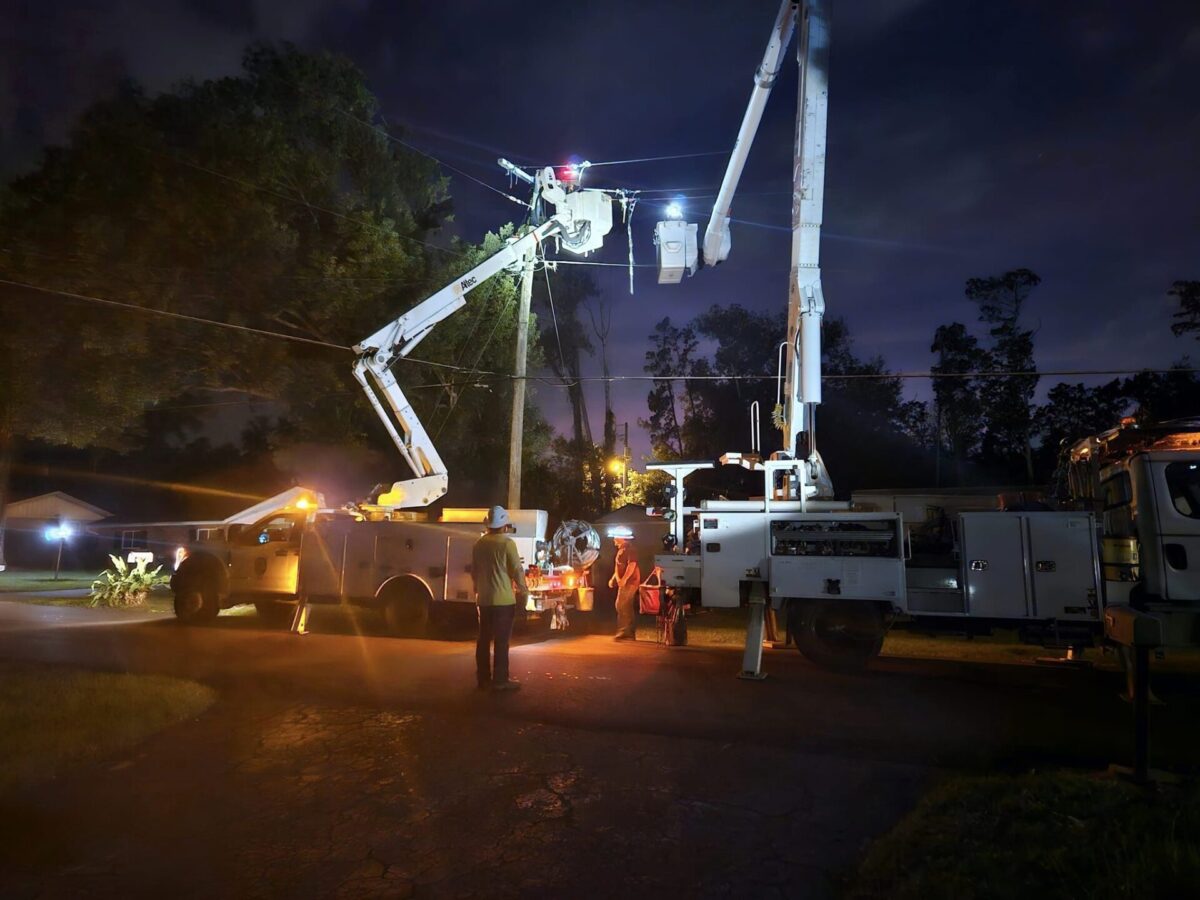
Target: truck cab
[(1144, 481)]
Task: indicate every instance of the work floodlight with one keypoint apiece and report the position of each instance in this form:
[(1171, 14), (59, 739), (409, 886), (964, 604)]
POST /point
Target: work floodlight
[(674, 210)]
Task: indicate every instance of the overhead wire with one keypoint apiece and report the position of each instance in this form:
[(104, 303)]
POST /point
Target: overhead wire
[(150, 310), (562, 360), (472, 382), (403, 143), (681, 376), (645, 159)]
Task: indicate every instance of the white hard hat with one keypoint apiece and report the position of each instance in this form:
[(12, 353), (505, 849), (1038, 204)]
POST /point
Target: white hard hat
[(497, 517), (621, 531)]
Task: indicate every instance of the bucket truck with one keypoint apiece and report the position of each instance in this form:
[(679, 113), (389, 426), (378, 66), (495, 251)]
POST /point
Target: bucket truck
[(383, 552), (843, 575)]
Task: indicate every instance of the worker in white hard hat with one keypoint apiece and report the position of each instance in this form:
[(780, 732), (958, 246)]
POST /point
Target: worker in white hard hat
[(625, 578), (499, 582)]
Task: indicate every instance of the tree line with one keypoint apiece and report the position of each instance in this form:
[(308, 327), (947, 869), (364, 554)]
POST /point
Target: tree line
[(982, 425)]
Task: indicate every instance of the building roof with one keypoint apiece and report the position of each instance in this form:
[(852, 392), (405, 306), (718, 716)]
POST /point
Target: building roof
[(55, 505)]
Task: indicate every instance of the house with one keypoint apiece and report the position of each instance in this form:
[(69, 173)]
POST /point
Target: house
[(27, 541)]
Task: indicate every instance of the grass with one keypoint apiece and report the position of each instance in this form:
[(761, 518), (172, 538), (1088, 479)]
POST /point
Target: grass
[(43, 580), (55, 719), (1053, 834)]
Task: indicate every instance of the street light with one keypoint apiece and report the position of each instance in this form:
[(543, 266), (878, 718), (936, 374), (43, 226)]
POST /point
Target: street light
[(62, 533)]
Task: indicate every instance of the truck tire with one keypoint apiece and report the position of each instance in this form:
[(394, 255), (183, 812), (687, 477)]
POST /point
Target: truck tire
[(405, 606), (196, 601), (843, 635)]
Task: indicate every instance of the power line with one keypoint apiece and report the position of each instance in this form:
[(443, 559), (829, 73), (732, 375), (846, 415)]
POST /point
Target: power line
[(586, 262), (415, 149), (643, 159), (484, 373), (553, 315), (149, 310)]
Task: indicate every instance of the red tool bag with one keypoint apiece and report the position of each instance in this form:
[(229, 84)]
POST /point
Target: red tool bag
[(650, 596)]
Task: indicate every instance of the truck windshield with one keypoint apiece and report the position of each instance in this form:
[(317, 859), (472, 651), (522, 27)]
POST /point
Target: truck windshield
[(1183, 481)]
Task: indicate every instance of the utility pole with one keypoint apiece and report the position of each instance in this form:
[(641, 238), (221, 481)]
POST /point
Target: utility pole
[(517, 435), (625, 463)]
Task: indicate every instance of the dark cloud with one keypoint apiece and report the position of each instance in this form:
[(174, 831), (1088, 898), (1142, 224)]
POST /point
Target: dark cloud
[(238, 16)]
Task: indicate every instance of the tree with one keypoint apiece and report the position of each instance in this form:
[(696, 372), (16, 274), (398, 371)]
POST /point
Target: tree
[(1159, 396), (864, 422), (671, 355), (1072, 412), (872, 436), (1187, 293), (957, 405), (565, 341), (1007, 403), (748, 367), (273, 200), (600, 315)]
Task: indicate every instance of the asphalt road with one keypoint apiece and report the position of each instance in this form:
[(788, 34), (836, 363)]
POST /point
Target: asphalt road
[(356, 764)]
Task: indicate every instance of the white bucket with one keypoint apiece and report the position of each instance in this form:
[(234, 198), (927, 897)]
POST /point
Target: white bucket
[(584, 597)]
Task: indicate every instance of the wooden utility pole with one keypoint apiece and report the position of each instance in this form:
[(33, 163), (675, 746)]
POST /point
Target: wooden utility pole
[(516, 436)]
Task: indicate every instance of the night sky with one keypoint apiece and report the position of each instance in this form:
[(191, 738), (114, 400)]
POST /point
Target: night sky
[(966, 138)]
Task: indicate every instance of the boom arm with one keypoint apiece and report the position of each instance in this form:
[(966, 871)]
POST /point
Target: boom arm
[(801, 391), (581, 220), (396, 340), (716, 235)]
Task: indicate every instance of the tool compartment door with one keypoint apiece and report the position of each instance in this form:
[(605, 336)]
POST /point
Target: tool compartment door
[(1063, 566), (993, 549), (459, 585)]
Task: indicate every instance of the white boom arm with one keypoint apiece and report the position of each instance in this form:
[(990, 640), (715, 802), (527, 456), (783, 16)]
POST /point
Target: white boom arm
[(580, 223), (716, 235), (806, 300), (801, 392)]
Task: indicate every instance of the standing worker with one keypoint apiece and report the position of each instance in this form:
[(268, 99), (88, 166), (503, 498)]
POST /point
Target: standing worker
[(495, 571), (626, 578)]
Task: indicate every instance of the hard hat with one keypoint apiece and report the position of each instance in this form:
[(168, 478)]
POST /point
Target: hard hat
[(623, 532), (497, 517)]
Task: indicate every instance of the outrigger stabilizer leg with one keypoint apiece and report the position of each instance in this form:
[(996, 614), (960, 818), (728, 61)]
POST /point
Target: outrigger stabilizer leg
[(752, 657)]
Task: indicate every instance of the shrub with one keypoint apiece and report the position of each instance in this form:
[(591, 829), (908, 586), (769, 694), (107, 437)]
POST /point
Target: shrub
[(124, 585)]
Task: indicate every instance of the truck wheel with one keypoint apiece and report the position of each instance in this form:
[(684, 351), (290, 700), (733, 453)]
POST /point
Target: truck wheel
[(196, 603), (406, 611), (844, 635)]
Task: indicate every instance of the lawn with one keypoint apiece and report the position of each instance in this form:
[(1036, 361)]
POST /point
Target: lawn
[(1053, 834), (17, 580), (53, 719)]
